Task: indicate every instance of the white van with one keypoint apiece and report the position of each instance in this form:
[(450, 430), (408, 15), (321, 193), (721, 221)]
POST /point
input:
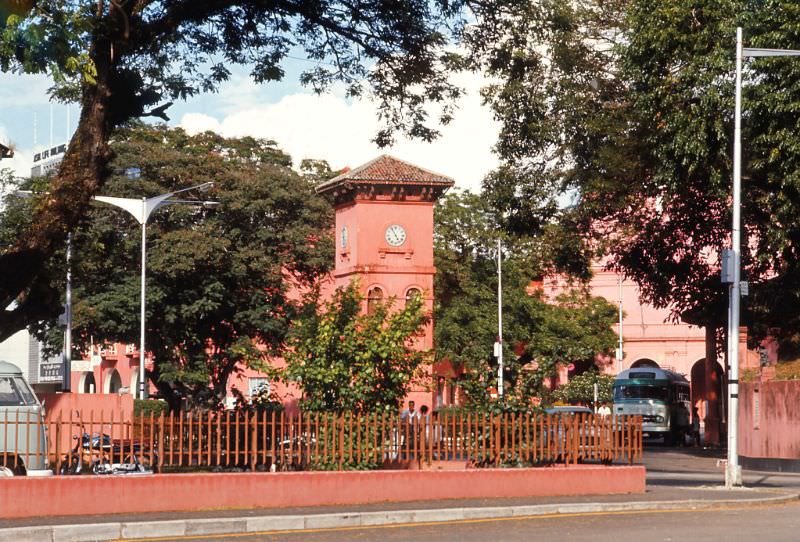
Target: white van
[(23, 435)]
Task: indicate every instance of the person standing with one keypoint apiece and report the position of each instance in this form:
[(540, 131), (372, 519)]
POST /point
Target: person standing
[(604, 410), (696, 426)]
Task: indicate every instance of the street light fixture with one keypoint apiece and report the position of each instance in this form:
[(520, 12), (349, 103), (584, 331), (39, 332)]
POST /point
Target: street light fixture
[(141, 210), (733, 472)]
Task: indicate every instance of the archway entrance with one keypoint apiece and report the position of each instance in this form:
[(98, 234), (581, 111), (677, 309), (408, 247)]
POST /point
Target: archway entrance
[(87, 384), (113, 382), (708, 396), (644, 362)]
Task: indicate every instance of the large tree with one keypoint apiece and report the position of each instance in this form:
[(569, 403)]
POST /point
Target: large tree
[(221, 282), (121, 59), (540, 332), (346, 360), (621, 114)]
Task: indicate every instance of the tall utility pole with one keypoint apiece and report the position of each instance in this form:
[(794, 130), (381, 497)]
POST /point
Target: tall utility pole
[(733, 472), (619, 349), (499, 319), (141, 210), (66, 378)]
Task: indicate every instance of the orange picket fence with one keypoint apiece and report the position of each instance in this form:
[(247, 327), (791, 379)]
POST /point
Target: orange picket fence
[(228, 440)]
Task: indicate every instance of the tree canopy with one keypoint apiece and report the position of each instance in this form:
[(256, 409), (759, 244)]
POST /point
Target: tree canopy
[(346, 360), (540, 334), (127, 59), (625, 111), (221, 282)]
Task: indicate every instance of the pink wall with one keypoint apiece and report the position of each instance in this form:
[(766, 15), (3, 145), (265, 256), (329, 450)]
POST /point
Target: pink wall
[(394, 270), (648, 332), (769, 419), (71, 495), (89, 409)]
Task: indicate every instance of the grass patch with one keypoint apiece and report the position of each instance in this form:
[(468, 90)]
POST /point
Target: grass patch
[(788, 370)]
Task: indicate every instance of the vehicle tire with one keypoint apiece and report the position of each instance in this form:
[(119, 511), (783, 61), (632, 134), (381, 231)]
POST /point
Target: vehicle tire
[(71, 465)]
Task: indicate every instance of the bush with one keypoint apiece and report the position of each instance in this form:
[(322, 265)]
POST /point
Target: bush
[(145, 407), (580, 389)]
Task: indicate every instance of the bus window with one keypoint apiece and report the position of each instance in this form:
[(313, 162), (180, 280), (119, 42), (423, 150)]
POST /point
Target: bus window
[(625, 391)]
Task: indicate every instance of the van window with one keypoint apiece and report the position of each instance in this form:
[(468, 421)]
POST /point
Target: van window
[(15, 392)]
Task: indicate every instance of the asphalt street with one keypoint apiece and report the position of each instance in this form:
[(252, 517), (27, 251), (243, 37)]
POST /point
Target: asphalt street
[(773, 524), (684, 467)]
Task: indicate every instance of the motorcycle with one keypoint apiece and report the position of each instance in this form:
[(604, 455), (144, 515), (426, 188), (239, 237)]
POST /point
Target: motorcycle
[(106, 455)]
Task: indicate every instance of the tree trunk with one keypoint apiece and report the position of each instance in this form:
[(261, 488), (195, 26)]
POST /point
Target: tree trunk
[(711, 387), (79, 176)]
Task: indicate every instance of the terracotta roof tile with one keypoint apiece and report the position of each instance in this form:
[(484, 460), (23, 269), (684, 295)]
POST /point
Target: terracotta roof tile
[(388, 169)]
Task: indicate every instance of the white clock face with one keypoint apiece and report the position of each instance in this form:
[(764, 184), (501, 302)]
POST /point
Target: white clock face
[(395, 235), (344, 237)]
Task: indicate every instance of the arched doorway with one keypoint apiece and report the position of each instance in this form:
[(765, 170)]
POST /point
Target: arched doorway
[(134, 389), (644, 362), (113, 382), (374, 299), (710, 403), (87, 384)]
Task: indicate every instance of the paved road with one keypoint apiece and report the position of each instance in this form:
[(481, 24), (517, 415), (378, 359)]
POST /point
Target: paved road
[(768, 524), (695, 466)]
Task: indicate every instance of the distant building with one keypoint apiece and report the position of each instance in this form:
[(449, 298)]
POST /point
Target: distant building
[(46, 161), (22, 349)]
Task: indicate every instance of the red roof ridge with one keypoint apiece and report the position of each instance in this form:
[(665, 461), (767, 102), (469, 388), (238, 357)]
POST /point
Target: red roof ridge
[(386, 168)]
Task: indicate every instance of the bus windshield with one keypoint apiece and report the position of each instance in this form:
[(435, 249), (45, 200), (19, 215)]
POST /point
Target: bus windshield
[(15, 392), (637, 391)]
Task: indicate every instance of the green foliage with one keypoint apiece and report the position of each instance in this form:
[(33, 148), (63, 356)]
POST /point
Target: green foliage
[(356, 439), (218, 279), (580, 389), (625, 109), (540, 334), (347, 361), (261, 401), (143, 408), (123, 60)]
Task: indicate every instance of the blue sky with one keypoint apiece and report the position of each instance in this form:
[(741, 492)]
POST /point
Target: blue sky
[(329, 126)]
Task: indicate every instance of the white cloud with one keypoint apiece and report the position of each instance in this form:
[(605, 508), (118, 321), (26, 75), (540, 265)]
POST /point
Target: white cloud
[(332, 128), (22, 161)]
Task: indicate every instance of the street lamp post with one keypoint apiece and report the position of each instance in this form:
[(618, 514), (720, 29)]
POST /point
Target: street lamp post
[(500, 365), (733, 472), (141, 210)]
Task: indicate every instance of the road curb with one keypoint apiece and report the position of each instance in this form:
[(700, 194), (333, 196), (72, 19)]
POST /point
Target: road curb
[(239, 525)]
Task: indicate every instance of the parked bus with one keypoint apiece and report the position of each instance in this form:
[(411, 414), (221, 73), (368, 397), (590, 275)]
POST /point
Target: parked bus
[(660, 397), (23, 436)]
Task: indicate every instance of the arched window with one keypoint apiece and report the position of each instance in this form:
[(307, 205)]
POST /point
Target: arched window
[(644, 363), (87, 382), (113, 382), (374, 298), (411, 293)]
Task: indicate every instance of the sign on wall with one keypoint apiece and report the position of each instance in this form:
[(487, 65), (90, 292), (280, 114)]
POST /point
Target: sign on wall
[(51, 372), (81, 365)]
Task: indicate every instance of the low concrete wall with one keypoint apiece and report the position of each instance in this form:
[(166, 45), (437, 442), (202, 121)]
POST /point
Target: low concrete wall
[(769, 420), (80, 495)]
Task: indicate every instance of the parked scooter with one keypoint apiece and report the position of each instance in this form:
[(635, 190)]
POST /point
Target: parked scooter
[(106, 455)]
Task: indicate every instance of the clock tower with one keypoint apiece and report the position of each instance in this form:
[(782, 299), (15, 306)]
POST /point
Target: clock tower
[(384, 233)]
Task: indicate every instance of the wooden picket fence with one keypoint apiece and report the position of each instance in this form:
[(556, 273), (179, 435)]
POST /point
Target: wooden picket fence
[(228, 440)]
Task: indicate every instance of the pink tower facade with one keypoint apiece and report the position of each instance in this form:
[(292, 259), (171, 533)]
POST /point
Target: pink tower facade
[(384, 235)]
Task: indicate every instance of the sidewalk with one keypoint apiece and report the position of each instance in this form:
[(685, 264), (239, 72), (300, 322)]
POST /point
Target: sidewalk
[(139, 526)]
